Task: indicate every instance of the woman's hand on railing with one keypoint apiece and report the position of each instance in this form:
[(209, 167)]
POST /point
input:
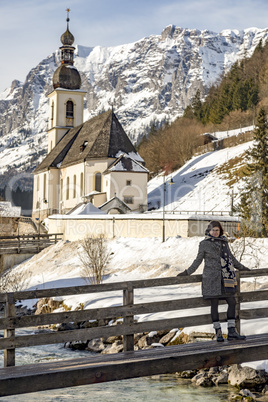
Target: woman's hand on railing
[(183, 273)]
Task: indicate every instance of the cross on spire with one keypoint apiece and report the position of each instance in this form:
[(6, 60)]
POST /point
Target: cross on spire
[(68, 19)]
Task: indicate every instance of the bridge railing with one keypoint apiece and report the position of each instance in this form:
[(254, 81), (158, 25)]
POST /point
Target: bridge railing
[(127, 311), (35, 241)]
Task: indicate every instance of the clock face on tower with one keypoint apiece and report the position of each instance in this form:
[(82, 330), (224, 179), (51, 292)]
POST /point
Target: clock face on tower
[(69, 122)]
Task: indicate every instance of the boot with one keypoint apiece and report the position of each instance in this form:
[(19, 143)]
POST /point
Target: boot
[(219, 335), (234, 335)]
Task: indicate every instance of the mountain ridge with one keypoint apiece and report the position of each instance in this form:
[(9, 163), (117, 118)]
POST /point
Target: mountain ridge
[(149, 81)]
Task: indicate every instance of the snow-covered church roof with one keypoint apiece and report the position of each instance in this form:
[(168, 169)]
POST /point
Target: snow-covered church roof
[(86, 209), (99, 137), (126, 164)]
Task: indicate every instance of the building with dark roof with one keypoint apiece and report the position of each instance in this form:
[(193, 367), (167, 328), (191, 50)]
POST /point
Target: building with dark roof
[(93, 160)]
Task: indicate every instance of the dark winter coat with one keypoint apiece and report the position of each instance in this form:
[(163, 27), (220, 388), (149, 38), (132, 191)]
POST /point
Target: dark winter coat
[(210, 251)]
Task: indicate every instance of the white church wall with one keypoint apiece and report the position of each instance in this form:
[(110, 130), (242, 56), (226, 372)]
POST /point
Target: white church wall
[(40, 195), (71, 190), (53, 190), (60, 97), (130, 187), (57, 113), (54, 135), (92, 167)]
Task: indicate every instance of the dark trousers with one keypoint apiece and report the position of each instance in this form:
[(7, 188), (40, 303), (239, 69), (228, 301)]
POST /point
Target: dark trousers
[(230, 311)]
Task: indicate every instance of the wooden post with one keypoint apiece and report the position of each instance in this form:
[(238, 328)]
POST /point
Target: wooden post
[(128, 299), (238, 304), (9, 354), (18, 244)]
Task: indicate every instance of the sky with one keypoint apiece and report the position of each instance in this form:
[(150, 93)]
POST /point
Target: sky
[(30, 29)]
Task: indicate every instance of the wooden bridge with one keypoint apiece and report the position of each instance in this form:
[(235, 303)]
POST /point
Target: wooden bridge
[(25, 244), (130, 363), (15, 249)]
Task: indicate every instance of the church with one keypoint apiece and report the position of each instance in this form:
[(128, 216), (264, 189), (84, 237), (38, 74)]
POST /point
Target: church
[(87, 162)]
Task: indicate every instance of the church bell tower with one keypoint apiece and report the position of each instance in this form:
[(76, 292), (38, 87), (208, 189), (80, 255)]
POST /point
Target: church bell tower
[(66, 101)]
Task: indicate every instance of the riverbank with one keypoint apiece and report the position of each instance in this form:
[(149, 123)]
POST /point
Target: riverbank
[(132, 259)]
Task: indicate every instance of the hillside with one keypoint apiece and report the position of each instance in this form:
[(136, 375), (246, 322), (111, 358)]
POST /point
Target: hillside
[(202, 184), (243, 88), (232, 103)]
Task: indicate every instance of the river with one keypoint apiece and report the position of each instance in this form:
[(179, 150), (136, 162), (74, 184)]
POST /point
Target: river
[(158, 388)]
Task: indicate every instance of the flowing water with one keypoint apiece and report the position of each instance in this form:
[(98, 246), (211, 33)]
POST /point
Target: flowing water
[(135, 390), (158, 388)]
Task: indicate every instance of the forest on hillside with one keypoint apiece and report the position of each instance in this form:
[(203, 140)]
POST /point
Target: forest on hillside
[(231, 104)]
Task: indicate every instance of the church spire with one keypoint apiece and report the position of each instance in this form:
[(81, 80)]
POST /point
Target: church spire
[(67, 39), (66, 76), (68, 19)]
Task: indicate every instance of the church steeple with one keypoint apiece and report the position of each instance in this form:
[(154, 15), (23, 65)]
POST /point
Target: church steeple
[(66, 101), (67, 39), (66, 76)]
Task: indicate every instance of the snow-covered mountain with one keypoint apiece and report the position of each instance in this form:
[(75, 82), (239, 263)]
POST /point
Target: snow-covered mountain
[(149, 81)]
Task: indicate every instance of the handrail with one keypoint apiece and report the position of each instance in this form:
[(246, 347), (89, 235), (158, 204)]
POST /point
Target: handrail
[(27, 243), (107, 287), (194, 212), (30, 236), (127, 311)]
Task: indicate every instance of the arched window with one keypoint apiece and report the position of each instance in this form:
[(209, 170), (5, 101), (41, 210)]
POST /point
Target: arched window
[(67, 188), (98, 181), (52, 113), (81, 183), (69, 110), (38, 183), (69, 113), (74, 186), (61, 189), (45, 187)]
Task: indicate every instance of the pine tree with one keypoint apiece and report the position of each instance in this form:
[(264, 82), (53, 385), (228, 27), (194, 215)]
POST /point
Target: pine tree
[(197, 105), (253, 206)]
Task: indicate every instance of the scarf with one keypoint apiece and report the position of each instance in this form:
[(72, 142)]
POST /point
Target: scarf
[(227, 268)]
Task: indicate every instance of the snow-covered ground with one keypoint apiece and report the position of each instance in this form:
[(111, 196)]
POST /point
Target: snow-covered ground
[(197, 187)]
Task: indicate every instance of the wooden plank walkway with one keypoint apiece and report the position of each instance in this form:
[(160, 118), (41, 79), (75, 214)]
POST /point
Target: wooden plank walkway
[(126, 365)]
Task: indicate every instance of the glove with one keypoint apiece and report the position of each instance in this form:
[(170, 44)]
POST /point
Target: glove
[(183, 273)]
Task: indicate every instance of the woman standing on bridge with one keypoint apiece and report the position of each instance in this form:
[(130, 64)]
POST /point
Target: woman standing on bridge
[(218, 279)]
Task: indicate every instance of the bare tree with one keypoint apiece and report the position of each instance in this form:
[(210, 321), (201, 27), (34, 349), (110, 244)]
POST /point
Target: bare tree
[(246, 247), (14, 281), (94, 257)]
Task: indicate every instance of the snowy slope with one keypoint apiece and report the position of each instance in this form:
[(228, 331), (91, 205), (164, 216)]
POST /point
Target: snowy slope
[(197, 187)]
